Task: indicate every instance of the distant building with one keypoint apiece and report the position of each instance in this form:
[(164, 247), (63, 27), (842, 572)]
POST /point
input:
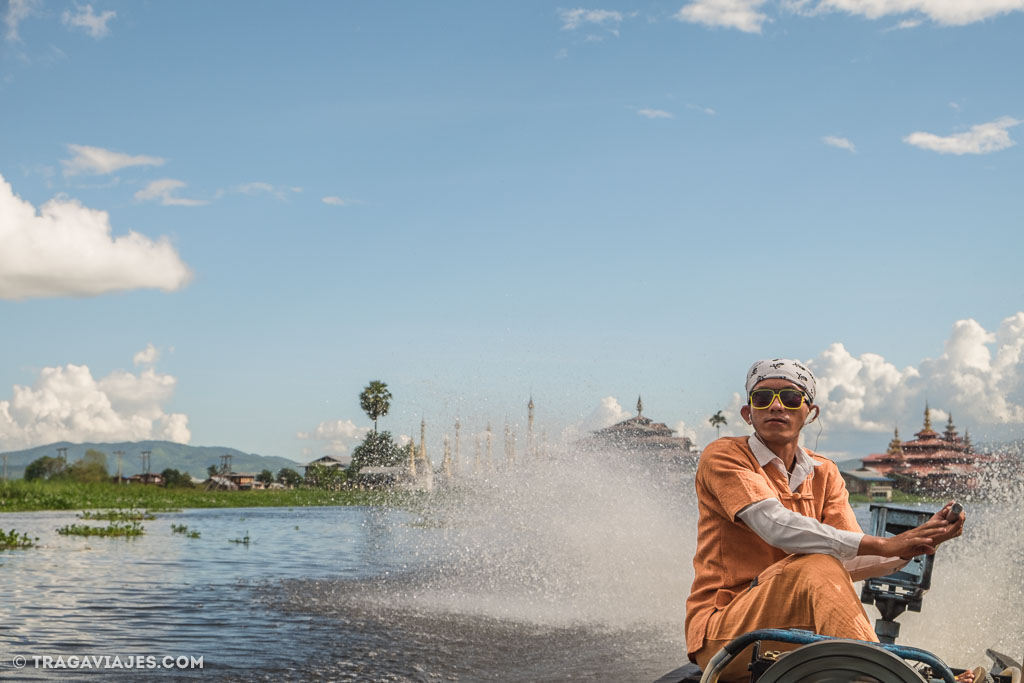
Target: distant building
[(643, 436), (868, 482), (330, 462), (221, 482), (243, 480), (932, 462), (146, 478)]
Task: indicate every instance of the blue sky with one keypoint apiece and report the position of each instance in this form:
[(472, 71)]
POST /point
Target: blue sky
[(224, 219)]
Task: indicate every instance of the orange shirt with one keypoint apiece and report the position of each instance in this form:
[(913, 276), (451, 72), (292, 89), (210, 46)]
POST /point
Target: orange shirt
[(729, 555)]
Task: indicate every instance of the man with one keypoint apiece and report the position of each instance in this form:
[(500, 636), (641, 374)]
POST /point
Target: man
[(778, 545)]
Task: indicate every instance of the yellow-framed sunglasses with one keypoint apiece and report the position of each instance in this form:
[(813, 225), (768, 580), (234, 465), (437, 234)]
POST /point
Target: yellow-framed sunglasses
[(791, 399)]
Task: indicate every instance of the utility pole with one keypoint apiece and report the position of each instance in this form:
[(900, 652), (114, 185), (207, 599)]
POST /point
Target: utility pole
[(119, 454)]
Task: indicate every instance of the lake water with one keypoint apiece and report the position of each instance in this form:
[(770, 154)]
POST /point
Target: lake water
[(522, 579)]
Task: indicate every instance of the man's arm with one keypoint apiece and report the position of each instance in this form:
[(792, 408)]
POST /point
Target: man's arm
[(795, 533)]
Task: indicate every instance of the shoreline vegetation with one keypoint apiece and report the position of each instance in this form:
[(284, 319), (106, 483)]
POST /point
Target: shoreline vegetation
[(18, 495)]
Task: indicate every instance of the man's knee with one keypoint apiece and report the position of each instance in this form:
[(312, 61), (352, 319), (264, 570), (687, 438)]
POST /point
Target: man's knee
[(819, 565), (819, 576)]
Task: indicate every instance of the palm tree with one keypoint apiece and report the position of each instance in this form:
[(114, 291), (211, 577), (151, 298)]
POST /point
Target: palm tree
[(375, 401), (717, 420)]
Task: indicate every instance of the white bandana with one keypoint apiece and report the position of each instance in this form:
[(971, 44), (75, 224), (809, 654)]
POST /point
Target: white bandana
[(782, 368)]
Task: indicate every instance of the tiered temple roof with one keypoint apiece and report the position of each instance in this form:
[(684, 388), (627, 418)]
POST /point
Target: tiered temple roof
[(932, 461), (642, 435)]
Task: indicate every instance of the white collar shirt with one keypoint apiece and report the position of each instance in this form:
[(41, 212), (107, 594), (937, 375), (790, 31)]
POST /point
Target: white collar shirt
[(803, 468)]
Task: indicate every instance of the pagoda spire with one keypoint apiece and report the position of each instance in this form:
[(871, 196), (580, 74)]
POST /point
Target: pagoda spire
[(639, 406), (927, 418), (950, 433), (895, 446)]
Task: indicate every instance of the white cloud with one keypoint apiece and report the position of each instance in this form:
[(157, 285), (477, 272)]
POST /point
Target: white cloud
[(17, 11), (67, 249), (97, 160), (146, 356), (907, 23), (706, 110), (983, 138), (68, 404), (163, 190), (258, 188), (945, 12), (574, 18), (739, 14), (655, 114), (338, 201), (979, 378), (841, 143), (84, 18), (338, 435)]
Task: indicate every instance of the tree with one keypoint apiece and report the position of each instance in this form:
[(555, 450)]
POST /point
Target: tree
[(378, 449), (212, 471), (266, 477), (717, 420), (322, 476), (175, 479), (289, 477), (45, 467), (375, 401), (92, 467)]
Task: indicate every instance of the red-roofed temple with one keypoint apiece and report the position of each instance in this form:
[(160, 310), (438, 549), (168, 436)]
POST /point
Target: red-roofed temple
[(932, 462)]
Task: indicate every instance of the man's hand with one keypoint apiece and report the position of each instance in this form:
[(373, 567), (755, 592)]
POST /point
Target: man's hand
[(954, 528), (921, 540)]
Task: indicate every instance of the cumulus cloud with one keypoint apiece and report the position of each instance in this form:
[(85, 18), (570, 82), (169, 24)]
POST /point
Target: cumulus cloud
[(164, 191), (67, 249), (945, 12), (572, 19), (744, 15), (68, 404), (96, 160), (979, 378), (841, 143), (17, 11), (146, 356), (655, 114), (983, 138), (338, 436), (84, 18)]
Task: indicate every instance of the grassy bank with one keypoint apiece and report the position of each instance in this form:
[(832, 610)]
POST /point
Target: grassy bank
[(22, 496), (898, 497)]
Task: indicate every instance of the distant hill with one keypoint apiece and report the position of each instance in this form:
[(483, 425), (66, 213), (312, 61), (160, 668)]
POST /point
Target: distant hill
[(164, 454)]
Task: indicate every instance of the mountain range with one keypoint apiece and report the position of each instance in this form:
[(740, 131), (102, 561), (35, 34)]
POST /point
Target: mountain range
[(163, 454)]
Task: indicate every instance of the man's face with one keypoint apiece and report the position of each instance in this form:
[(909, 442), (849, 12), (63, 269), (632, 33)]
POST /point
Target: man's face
[(777, 423)]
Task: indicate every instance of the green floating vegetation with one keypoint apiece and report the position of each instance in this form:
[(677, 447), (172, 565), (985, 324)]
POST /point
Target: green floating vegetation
[(112, 529), (130, 515), (243, 541), (18, 495), (183, 529), (12, 540)]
